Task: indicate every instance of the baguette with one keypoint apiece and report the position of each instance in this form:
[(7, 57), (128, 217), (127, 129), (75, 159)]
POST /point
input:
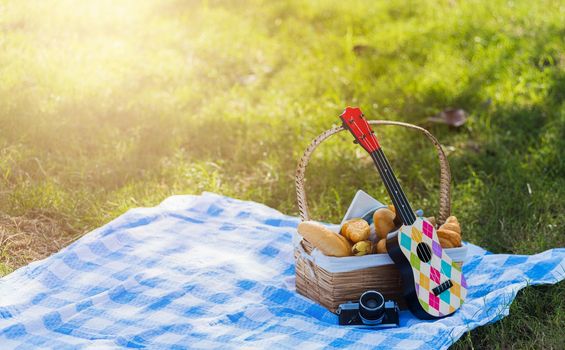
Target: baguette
[(321, 237)]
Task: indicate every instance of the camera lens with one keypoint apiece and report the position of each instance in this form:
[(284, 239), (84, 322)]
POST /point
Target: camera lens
[(371, 307)]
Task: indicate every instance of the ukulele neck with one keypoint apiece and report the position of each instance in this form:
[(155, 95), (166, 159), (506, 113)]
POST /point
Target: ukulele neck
[(393, 188)]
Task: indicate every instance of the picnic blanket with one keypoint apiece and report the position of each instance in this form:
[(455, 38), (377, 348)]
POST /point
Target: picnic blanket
[(200, 272)]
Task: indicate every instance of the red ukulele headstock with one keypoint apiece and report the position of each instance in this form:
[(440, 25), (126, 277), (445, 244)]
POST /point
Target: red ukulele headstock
[(353, 120)]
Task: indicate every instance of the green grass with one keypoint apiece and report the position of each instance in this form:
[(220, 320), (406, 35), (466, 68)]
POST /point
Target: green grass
[(4, 270), (110, 105)]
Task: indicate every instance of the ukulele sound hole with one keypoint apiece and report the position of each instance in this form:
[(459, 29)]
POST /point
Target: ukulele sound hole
[(424, 252)]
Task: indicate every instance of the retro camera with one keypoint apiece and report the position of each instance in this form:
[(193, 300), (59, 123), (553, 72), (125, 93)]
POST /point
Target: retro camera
[(372, 310)]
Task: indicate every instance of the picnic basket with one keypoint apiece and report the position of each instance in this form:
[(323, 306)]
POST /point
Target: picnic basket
[(330, 289)]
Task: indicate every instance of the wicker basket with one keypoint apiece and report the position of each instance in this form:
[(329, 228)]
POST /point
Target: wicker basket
[(331, 289)]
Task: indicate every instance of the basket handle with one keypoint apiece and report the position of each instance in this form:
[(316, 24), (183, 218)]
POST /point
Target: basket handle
[(445, 173)]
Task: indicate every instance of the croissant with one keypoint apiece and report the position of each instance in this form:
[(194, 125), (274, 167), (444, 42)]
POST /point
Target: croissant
[(452, 219), (448, 238), (449, 233), (452, 227)]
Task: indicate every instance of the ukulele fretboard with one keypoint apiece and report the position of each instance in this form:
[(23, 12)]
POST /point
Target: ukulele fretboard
[(393, 187)]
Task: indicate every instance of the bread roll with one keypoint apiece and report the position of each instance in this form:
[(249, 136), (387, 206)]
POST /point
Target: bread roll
[(356, 230), (324, 239), (397, 220), (384, 222), (362, 248), (381, 246), (449, 238)]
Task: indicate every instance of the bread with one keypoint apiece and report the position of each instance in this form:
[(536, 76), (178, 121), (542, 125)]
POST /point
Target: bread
[(449, 238), (451, 223), (451, 227), (381, 246), (397, 220), (450, 233), (362, 248), (384, 222), (356, 230), (324, 239), (452, 219), (432, 221)]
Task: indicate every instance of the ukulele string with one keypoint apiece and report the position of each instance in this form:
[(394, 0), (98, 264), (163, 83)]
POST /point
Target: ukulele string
[(381, 158), (388, 178), (390, 185), (383, 173)]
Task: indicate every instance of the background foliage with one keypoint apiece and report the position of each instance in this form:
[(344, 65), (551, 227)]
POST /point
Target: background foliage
[(107, 105)]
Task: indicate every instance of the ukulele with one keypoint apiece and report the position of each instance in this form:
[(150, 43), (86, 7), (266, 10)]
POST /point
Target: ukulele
[(433, 284)]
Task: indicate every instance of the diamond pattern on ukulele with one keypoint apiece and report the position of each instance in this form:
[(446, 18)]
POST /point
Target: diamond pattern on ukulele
[(463, 282), (434, 275), (423, 296), (424, 281), (425, 306), (405, 241), (436, 248), (446, 297), (455, 275), (456, 290), (425, 269), (414, 261), (416, 235), (433, 301), (427, 229), (446, 269), (444, 307)]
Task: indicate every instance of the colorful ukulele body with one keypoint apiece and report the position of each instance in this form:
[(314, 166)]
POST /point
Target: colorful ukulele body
[(434, 285)]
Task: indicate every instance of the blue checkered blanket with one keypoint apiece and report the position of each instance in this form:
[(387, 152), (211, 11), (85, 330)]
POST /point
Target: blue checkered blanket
[(201, 272)]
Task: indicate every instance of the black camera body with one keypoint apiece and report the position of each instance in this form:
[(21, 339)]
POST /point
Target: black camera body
[(371, 311)]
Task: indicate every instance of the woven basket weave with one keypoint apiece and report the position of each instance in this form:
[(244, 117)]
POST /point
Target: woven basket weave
[(332, 289)]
